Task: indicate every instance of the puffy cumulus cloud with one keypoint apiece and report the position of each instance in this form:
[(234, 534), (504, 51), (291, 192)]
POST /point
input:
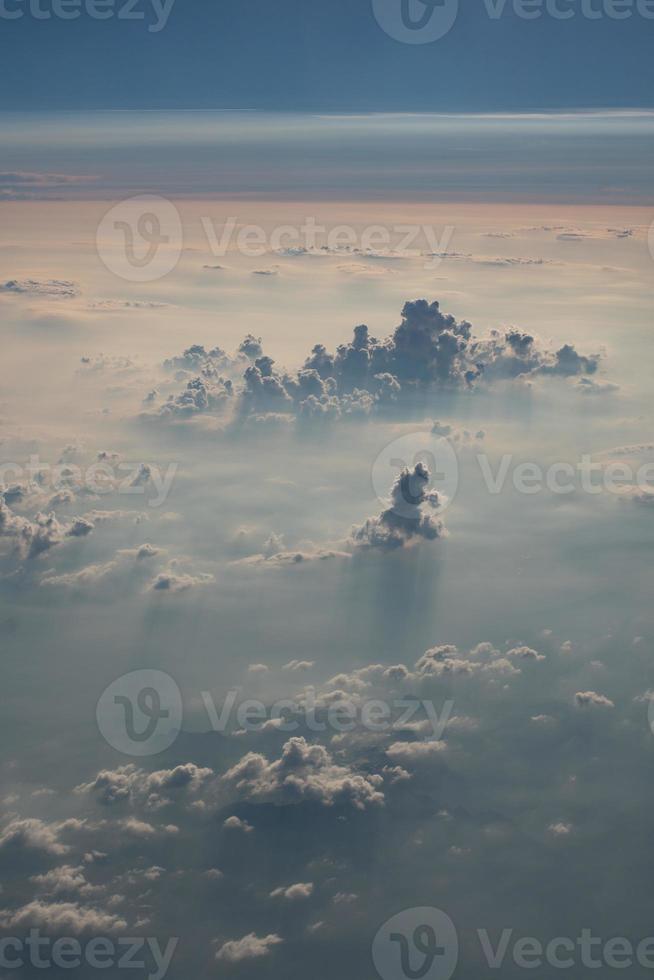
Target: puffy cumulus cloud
[(200, 396), (483, 661), (33, 834), (210, 364), (460, 438), (345, 898), (209, 381), (235, 823), (65, 880), (407, 520), (427, 349), (142, 829), (447, 660), (251, 347), (525, 653), (560, 829), (407, 753), (250, 947), (214, 874), (303, 773), (174, 581), (55, 288), (62, 918), (294, 893), (197, 360), (155, 789), (33, 537), (585, 699), (430, 347)]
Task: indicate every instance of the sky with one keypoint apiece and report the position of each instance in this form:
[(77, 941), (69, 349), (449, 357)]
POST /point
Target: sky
[(326, 490), (292, 55)]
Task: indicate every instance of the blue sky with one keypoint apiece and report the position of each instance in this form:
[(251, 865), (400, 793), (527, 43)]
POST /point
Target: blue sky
[(334, 56)]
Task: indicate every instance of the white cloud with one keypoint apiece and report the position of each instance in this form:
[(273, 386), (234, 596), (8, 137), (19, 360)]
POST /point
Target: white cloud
[(250, 947)]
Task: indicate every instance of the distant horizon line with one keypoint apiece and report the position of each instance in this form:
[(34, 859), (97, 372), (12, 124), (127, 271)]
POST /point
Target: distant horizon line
[(358, 114)]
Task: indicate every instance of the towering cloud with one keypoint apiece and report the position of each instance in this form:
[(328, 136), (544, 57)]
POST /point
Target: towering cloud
[(409, 518), (428, 349)]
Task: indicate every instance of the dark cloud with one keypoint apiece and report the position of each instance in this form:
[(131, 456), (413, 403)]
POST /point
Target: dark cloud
[(409, 517), (33, 537), (429, 349)]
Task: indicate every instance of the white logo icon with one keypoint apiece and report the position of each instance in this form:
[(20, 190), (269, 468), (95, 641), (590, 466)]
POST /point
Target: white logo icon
[(140, 239), (436, 452), (417, 944), (141, 713), (416, 21)]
